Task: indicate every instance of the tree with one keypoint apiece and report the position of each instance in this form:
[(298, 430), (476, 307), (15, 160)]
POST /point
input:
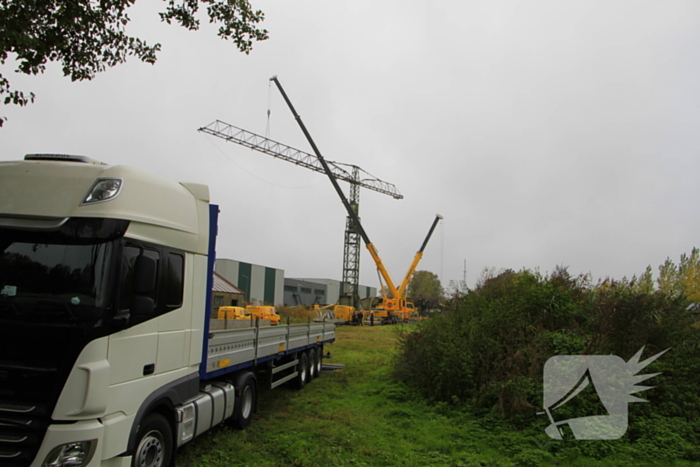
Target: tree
[(88, 36), (425, 284), (690, 270), (669, 280), (682, 279), (644, 283)]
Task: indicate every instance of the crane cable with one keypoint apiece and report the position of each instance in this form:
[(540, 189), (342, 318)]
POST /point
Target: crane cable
[(442, 252), (269, 112)]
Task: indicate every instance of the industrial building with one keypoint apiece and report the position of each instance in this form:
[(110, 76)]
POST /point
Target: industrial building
[(298, 291), (264, 285), (261, 285)]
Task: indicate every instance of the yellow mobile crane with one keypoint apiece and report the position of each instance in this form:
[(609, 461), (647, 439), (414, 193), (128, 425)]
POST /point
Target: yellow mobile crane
[(394, 307)]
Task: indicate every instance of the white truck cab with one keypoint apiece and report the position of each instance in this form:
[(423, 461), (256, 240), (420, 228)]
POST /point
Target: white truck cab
[(105, 352)]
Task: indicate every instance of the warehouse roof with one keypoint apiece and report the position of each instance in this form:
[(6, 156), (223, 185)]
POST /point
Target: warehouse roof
[(222, 285)]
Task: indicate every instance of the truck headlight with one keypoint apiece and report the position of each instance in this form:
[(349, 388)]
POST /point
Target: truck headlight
[(71, 454), (103, 189)]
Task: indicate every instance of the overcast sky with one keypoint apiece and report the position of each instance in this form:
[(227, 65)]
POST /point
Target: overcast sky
[(545, 132)]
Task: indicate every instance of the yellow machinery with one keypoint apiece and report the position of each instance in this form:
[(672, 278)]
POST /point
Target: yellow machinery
[(232, 312), (394, 305), (338, 312), (344, 312), (264, 312)]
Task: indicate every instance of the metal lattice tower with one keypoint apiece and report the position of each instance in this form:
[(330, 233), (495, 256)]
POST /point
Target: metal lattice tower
[(352, 174), (351, 252)]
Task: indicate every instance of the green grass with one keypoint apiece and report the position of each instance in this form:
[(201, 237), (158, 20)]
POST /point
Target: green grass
[(359, 416)]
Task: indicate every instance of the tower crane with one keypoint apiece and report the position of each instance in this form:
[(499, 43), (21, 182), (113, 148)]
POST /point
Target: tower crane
[(354, 175)]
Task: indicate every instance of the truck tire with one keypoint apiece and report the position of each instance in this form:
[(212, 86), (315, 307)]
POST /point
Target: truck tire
[(302, 371), (246, 398), (311, 355), (154, 443), (319, 360)]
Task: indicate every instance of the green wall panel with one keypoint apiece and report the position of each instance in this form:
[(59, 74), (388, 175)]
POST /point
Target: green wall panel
[(269, 293)]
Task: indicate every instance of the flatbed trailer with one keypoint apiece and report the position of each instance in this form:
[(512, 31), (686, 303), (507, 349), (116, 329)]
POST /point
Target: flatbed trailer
[(238, 349)]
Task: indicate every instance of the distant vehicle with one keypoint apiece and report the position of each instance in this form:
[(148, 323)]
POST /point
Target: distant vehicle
[(264, 312), (107, 357), (339, 314), (392, 310), (233, 312), (344, 312)]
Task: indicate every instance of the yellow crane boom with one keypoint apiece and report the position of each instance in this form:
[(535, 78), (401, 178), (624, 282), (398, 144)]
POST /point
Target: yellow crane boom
[(416, 259)]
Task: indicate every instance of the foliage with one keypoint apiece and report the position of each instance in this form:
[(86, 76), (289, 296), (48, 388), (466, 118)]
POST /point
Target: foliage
[(87, 37), (425, 284), (296, 315), (682, 279), (487, 352), (690, 268), (669, 280)]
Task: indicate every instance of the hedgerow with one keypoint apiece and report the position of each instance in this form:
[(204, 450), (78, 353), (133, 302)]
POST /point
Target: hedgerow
[(487, 351)]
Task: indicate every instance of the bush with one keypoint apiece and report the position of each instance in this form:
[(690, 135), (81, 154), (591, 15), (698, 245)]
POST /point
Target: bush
[(296, 315), (489, 348)]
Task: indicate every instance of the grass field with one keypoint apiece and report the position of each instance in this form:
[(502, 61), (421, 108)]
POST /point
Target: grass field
[(358, 416)]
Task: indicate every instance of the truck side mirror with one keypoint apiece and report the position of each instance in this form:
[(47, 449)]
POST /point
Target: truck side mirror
[(144, 275)]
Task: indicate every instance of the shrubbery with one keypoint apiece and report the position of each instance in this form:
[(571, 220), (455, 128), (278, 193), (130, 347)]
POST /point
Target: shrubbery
[(488, 350), (295, 315)]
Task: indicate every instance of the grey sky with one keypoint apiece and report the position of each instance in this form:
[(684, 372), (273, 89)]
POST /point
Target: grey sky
[(546, 132)]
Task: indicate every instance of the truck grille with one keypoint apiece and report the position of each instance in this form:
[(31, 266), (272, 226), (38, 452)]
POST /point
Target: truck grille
[(22, 427), (31, 379), (18, 408)]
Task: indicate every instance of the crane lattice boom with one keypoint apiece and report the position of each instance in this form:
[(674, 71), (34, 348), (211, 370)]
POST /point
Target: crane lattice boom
[(347, 172)]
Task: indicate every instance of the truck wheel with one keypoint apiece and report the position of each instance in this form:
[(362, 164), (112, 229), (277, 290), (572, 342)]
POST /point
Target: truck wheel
[(319, 360), (154, 443), (246, 396), (311, 354), (302, 370)]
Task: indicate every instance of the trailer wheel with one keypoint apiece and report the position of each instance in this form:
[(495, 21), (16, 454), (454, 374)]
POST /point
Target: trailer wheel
[(246, 397), (154, 443), (302, 370), (311, 355), (319, 360)]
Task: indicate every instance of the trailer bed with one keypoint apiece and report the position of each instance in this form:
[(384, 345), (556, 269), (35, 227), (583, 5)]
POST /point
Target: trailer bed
[(234, 349)]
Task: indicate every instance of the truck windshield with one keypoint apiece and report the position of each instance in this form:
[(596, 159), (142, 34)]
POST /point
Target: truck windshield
[(58, 275)]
